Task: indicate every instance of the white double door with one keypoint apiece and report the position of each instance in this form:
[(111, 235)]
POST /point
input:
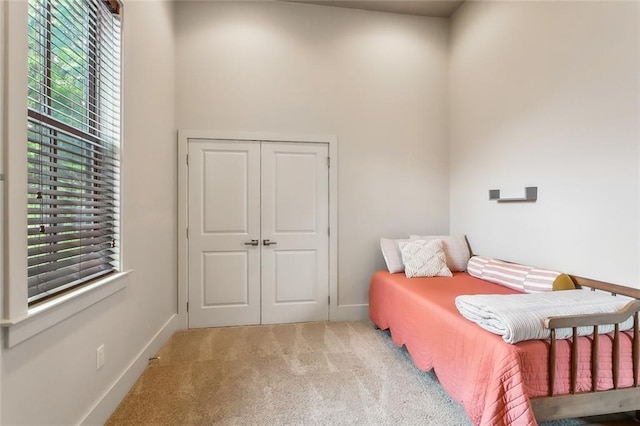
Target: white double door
[(258, 232)]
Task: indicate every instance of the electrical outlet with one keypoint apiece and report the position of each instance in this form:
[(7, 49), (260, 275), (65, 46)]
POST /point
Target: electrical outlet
[(99, 357)]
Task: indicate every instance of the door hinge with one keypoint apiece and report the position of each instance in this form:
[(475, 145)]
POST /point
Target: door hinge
[(187, 159), (329, 162), (187, 233), (187, 306), (329, 231), (328, 300)]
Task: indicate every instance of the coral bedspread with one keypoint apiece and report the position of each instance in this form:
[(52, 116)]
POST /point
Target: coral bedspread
[(493, 380)]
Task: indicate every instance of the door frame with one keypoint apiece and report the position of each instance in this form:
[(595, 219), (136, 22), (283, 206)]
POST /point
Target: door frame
[(183, 204)]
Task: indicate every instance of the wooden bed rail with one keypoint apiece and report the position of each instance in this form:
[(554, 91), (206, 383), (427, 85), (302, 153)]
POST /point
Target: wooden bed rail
[(614, 289), (594, 320), (594, 401)]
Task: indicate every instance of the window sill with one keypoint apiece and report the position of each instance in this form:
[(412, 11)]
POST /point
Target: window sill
[(48, 314)]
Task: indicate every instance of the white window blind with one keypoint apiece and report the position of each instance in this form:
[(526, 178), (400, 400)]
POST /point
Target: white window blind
[(73, 143)]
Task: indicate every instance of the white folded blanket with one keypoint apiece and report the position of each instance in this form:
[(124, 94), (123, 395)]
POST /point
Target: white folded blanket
[(518, 317)]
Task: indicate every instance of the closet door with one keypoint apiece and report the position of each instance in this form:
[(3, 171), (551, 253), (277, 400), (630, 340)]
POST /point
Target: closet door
[(258, 238), (224, 233), (295, 239)]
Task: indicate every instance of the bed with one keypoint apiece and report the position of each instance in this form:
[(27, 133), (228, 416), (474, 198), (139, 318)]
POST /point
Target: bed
[(508, 384)]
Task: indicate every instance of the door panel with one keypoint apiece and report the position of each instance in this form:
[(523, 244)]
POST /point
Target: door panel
[(296, 186), (225, 184), (225, 279), (295, 215), (224, 215), (297, 277)]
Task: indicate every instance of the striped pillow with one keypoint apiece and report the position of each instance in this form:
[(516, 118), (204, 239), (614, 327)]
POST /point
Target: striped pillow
[(523, 278)]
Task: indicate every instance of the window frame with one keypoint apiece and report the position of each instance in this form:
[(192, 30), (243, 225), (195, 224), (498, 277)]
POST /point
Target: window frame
[(69, 144), (21, 321)]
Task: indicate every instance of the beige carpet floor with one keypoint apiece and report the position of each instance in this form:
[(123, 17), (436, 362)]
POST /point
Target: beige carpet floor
[(327, 373)]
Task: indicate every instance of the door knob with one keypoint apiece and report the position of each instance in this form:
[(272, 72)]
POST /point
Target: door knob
[(252, 243), (268, 243)]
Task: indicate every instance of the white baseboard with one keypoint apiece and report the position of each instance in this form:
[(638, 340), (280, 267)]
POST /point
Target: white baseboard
[(109, 401), (350, 313)]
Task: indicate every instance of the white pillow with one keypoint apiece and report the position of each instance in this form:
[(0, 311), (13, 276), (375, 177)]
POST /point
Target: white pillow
[(455, 249), (424, 259), (391, 254)]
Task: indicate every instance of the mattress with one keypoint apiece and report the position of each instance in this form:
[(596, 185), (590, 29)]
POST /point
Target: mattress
[(493, 380)]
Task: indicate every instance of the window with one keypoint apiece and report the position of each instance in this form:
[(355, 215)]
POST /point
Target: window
[(73, 143)]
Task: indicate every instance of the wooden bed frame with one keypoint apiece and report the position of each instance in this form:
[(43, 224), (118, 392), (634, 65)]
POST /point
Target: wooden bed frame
[(554, 407), (578, 399)]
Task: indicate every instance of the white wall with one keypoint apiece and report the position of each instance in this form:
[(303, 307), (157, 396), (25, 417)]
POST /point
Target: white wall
[(377, 81), (52, 378), (547, 94)]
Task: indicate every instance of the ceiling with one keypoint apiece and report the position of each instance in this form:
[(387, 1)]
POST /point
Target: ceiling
[(434, 8)]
